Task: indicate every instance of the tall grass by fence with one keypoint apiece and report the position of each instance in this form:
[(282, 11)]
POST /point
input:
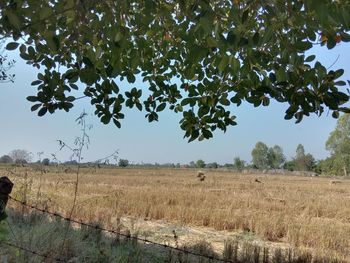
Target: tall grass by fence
[(110, 231), (253, 254)]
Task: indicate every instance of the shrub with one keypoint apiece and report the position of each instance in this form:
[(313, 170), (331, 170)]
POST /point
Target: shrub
[(123, 163), (46, 161)]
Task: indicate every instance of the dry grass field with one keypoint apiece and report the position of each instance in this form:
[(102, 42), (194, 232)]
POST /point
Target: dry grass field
[(291, 211)]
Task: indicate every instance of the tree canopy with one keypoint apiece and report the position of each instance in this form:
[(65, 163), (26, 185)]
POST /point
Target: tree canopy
[(264, 157), (196, 57), (339, 139), (303, 161), (339, 145), (276, 157), (260, 156)]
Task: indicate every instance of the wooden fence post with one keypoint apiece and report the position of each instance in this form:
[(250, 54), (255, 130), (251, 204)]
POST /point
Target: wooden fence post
[(5, 189)]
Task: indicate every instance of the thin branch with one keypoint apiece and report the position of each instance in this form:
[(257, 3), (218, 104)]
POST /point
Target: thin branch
[(336, 60)]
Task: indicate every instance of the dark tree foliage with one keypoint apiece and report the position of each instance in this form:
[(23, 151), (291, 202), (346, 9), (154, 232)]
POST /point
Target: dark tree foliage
[(123, 163), (46, 161), (196, 57)]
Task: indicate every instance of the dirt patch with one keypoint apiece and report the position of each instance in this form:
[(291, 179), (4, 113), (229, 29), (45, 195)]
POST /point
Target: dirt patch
[(183, 235)]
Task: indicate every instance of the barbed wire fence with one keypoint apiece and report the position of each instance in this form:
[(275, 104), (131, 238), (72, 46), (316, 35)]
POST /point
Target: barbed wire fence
[(118, 233), (31, 251)]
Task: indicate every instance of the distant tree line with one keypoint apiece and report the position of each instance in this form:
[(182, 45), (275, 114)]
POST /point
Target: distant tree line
[(266, 158), (17, 156), (263, 157), (273, 158), (21, 156)]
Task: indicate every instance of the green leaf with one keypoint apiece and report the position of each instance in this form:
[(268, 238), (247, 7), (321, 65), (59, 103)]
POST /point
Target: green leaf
[(338, 73), (105, 119), (73, 86), (161, 107), (321, 11), (224, 101), (280, 75), (245, 15), (206, 23), (299, 116), (203, 111), (211, 42), (12, 45), (138, 106), (345, 37), (131, 78), (223, 63), (14, 20), (207, 134), (331, 43), (116, 123), (256, 38), (267, 35), (235, 65), (186, 101), (32, 98), (344, 109), (310, 58), (70, 98), (231, 37), (335, 114), (36, 82), (35, 107), (42, 111), (265, 101), (303, 45), (288, 116), (53, 43), (88, 76)]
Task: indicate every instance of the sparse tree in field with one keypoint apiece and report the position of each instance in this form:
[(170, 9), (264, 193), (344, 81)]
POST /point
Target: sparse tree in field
[(123, 163), (21, 156), (310, 162), (338, 144), (276, 157), (302, 161), (46, 161), (260, 155), (238, 164), (200, 163), (6, 159), (197, 58), (300, 152)]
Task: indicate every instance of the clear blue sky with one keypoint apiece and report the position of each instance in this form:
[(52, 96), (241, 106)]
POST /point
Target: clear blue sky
[(161, 142)]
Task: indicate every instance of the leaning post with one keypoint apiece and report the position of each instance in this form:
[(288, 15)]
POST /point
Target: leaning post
[(5, 189)]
